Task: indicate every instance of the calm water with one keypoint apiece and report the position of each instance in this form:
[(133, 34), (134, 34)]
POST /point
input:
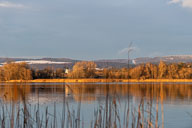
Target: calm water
[(174, 101)]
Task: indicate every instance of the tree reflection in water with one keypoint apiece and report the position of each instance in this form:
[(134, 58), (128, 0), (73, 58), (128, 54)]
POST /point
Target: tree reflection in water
[(119, 105)]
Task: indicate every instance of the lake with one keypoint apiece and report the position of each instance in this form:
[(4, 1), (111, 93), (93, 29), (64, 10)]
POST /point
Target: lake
[(96, 105)]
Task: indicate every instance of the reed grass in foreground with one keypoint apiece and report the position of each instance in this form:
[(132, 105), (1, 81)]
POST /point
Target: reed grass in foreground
[(106, 115)]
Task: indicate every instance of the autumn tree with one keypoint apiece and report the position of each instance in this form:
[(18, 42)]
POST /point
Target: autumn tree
[(148, 71), (185, 73), (137, 72), (162, 68), (90, 68), (124, 73), (1, 74), (83, 69), (173, 71), (16, 71), (154, 71)]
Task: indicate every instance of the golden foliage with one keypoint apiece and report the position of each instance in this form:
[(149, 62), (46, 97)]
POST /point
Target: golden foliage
[(83, 69), (152, 71), (15, 71)]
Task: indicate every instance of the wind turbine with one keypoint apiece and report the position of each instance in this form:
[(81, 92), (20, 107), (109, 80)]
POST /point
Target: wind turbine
[(130, 49)]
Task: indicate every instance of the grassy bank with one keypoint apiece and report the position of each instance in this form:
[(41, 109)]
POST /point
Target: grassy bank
[(99, 80)]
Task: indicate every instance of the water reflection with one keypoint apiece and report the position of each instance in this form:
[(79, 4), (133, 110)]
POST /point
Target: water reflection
[(14, 92), (144, 104), (167, 92), (93, 92)]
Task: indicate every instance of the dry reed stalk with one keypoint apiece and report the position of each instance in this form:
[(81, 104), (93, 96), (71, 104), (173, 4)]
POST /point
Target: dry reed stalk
[(157, 110), (162, 105)]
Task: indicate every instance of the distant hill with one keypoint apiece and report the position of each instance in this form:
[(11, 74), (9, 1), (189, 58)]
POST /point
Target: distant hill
[(63, 62), (167, 59), (41, 63), (154, 60)]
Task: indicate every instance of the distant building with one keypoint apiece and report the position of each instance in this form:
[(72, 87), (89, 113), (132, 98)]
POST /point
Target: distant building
[(67, 71), (99, 69)]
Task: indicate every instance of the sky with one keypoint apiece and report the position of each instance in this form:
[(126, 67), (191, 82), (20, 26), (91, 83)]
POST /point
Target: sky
[(95, 29)]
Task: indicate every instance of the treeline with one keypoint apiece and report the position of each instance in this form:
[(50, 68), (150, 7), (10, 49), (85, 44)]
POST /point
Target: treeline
[(48, 73), (142, 71), (22, 71)]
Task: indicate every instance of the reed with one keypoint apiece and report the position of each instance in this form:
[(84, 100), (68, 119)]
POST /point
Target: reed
[(106, 115)]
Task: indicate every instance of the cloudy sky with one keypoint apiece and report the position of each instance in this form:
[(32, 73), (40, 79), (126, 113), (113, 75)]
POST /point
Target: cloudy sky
[(95, 29)]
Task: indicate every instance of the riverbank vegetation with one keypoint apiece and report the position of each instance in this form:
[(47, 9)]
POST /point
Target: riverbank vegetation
[(84, 70)]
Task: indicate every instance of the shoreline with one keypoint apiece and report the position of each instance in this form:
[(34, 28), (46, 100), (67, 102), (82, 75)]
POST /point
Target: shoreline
[(101, 81)]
